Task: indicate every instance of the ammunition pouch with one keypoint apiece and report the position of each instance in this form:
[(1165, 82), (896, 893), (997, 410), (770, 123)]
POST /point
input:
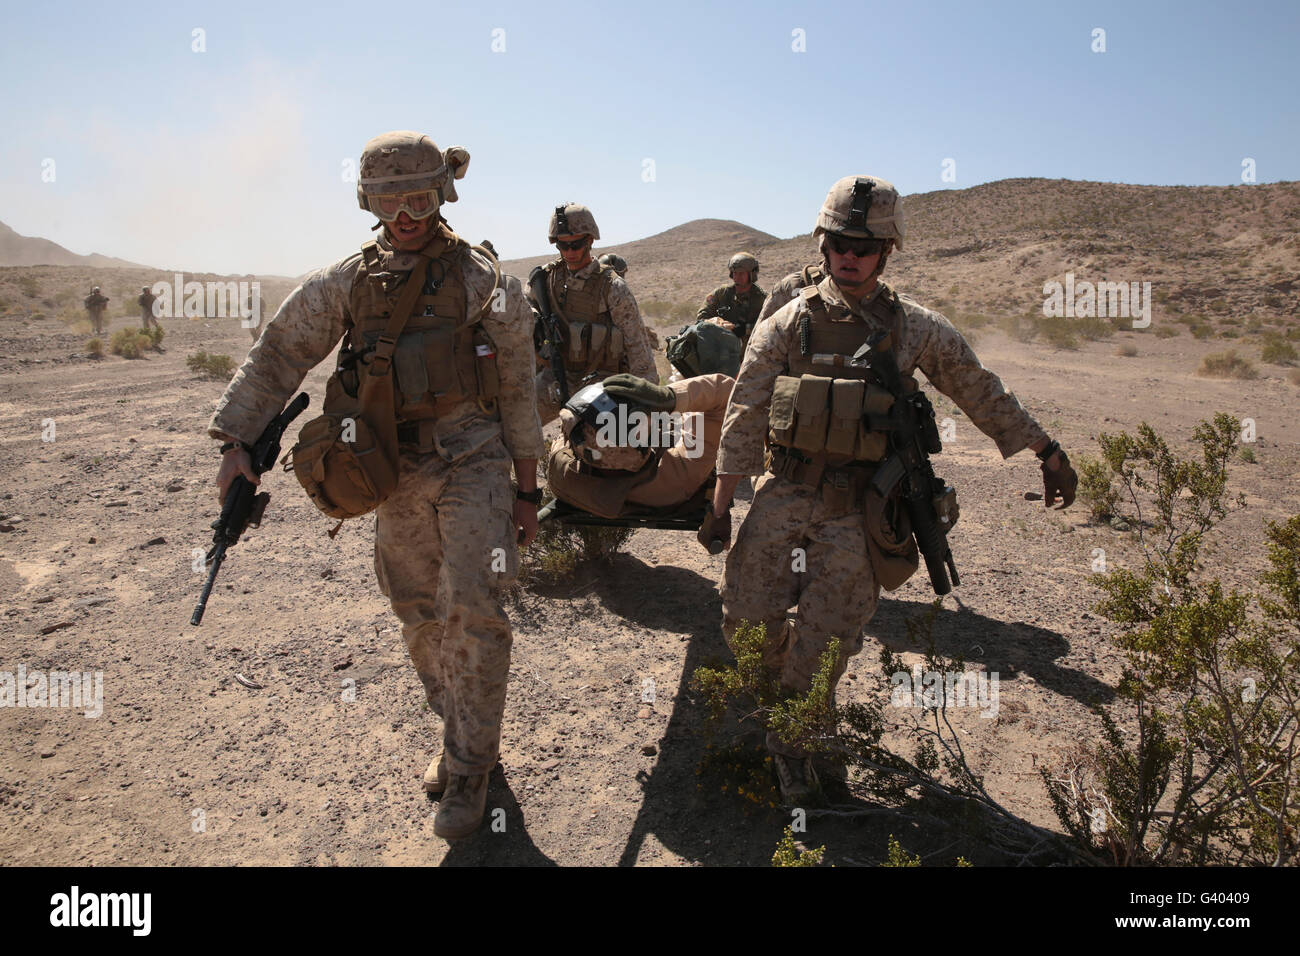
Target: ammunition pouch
[(847, 419)]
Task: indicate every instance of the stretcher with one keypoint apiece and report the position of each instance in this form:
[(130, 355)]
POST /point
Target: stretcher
[(687, 516)]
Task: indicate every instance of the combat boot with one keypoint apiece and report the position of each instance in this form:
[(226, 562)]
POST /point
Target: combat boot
[(797, 779), (461, 810), (435, 778)]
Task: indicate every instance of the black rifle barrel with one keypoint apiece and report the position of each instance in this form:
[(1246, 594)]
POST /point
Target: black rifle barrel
[(537, 283), (243, 504)]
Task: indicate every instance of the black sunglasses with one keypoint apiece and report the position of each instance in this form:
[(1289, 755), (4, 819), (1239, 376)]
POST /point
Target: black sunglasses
[(843, 245), (573, 246)]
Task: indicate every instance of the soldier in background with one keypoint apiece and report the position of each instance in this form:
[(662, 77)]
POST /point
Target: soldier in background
[(446, 539), (601, 325), (736, 305), (814, 493), (145, 300), (95, 304)]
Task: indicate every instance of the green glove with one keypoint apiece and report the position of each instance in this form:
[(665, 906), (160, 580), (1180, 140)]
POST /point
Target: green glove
[(637, 391)]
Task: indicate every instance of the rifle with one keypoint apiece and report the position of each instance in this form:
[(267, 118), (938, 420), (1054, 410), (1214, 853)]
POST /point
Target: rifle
[(551, 329), (244, 505), (913, 437)]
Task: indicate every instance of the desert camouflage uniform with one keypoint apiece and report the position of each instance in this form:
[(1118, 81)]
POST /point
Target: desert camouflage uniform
[(781, 293), (445, 546), (742, 311), (146, 300), (96, 303), (837, 593), (626, 316)]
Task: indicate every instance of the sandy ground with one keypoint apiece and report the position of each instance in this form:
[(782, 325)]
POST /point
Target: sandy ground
[(188, 766)]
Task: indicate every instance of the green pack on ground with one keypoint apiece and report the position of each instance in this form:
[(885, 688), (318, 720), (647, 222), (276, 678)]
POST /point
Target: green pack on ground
[(705, 348)]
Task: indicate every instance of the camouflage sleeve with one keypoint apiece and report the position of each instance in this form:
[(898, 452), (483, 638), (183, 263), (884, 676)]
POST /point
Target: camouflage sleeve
[(952, 366), (744, 429), (304, 331), (712, 303), (509, 323), (781, 293), (627, 318)]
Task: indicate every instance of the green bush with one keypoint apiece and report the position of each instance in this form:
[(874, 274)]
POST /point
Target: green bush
[(210, 365), (1166, 332), (1227, 365), (1093, 329), (1096, 489), (1202, 331), (95, 348), (1127, 350), (1211, 681), (127, 343), (155, 336), (1058, 333), (1279, 352)]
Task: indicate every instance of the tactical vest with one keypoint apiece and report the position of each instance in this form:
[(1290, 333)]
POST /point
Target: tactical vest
[(825, 409), (593, 344), (443, 355)]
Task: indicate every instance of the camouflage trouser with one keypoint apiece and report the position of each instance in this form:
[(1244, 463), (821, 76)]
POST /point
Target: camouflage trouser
[(444, 552), (146, 317), (97, 322), (830, 579)]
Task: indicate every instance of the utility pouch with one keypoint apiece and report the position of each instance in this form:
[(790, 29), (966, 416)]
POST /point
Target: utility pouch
[(485, 360), (578, 343), (846, 413), (812, 413), (780, 419), (873, 444)]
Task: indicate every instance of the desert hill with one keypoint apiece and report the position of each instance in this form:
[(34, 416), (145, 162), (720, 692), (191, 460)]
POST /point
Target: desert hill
[(1217, 250), (16, 250)]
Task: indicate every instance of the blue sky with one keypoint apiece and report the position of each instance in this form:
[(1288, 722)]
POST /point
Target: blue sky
[(233, 159)]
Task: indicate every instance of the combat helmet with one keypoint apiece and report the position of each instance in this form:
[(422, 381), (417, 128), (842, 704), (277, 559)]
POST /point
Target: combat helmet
[(862, 207), (582, 419), (572, 219), (743, 260), (409, 165), (615, 262)]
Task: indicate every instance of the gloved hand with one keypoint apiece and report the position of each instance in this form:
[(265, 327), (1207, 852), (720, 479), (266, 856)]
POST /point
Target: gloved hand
[(627, 388), (1063, 481), (715, 531)]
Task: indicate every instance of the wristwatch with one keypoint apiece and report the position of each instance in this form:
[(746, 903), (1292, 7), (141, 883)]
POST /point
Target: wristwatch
[(1052, 448), (533, 497), (232, 445)]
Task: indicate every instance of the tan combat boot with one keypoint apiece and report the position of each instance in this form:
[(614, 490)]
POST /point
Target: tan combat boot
[(461, 810), (435, 778)]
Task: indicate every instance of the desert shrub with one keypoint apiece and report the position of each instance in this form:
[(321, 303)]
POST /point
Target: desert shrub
[(1021, 329), (95, 348), (31, 288), (1166, 332), (1058, 333), (38, 315), (558, 550), (975, 321), (1229, 334), (1209, 773), (788, 853), (1127, 350), (897, 856), (155, 336), (1227, 365), (127, 343), (210, 365), (683, 312), (1279, 352), (1202, 331), (1218, 305), (1093, 329), (1248, 455), (1096, 489)]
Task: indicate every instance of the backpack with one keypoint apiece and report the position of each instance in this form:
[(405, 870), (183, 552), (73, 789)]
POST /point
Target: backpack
[(704, 348)]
